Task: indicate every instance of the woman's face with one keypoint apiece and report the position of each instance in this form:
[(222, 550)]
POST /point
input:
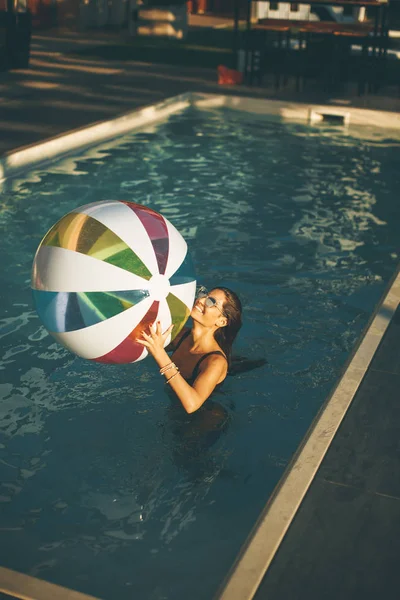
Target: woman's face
[(209, 315)]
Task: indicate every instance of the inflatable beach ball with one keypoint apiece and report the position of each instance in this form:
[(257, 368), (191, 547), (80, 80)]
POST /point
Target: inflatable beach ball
[(105, 272)]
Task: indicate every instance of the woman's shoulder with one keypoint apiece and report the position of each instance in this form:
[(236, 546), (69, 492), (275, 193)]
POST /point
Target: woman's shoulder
[(214, 361), (217, 353), (213, 357)]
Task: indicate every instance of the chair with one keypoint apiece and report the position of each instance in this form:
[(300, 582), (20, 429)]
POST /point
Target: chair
[(268, 53)]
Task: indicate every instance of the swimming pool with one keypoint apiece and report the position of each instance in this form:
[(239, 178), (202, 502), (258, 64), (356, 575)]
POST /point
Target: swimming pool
[(106, 487)]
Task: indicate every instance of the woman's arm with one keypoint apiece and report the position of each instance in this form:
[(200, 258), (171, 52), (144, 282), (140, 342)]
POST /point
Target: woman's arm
[(211, 371)]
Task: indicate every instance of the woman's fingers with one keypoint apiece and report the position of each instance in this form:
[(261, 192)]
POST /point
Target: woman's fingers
[(156, 331), (155, 340), (155, 328), (167, 331)]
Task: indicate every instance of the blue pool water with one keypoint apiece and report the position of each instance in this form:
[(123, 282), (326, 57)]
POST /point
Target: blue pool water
[(105, 485)]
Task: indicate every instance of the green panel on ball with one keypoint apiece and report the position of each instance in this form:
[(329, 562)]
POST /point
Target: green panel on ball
[(129, 261), (109, 304), (179, 314), (81, 233), (105, 304)]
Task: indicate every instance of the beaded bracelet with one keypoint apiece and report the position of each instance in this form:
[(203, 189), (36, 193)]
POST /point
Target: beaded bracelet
[(174, 375), (170, 365)]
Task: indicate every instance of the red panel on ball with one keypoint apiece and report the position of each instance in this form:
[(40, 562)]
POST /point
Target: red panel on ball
[(129, 350), (157, 231)]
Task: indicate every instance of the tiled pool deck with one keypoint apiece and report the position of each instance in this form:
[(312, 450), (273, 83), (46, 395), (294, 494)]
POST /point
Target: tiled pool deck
[(344, 539)]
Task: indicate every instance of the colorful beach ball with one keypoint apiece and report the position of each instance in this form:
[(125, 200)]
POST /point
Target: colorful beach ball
[(105, 272)]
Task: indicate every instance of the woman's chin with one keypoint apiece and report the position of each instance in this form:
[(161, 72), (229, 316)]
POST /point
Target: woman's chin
[(196, 315)]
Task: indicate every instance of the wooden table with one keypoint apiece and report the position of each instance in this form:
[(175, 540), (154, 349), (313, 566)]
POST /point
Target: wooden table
[(330, 27), (374, 34), (379, 5)]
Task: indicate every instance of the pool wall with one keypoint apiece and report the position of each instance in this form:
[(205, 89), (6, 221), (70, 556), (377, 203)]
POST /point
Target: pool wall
[(263, 542), (13, 163)]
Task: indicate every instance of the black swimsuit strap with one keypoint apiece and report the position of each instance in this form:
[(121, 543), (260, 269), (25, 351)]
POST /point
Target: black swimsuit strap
[(197, 366), (183, 337)]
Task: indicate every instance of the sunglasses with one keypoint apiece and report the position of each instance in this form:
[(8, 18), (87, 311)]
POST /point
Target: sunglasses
[(210, 301)]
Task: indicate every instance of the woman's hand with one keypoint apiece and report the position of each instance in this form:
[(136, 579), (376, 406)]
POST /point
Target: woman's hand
[(156, 340), (212, 370)]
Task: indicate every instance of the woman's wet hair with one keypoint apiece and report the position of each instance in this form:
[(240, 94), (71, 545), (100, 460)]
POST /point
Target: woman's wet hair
[(225, 336)]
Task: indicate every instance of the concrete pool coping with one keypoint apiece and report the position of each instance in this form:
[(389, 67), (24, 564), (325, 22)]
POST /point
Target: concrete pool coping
[(26, 587), (247, 573), (55, 148)]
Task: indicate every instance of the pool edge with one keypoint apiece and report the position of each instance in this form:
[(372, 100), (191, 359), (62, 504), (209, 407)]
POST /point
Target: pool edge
[(299, 111), (264, 540), (53, 148), (26, 587)]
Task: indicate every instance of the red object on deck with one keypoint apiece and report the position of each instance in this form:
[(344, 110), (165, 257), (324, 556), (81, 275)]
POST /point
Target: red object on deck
[(229, 76), (217, 8)]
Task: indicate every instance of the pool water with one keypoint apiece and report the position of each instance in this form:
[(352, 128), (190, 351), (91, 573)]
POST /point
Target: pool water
[(107, 486)]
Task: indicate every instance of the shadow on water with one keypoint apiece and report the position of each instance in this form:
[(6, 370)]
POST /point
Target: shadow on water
[(241, 365)]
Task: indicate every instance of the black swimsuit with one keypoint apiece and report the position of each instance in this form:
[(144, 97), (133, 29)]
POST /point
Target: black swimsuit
[(195, 372)]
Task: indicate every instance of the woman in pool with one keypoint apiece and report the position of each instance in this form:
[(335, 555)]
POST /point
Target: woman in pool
[(201, 355)]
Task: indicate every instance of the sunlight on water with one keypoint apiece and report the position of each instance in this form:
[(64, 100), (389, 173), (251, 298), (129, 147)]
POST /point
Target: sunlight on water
[(106, 485)]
